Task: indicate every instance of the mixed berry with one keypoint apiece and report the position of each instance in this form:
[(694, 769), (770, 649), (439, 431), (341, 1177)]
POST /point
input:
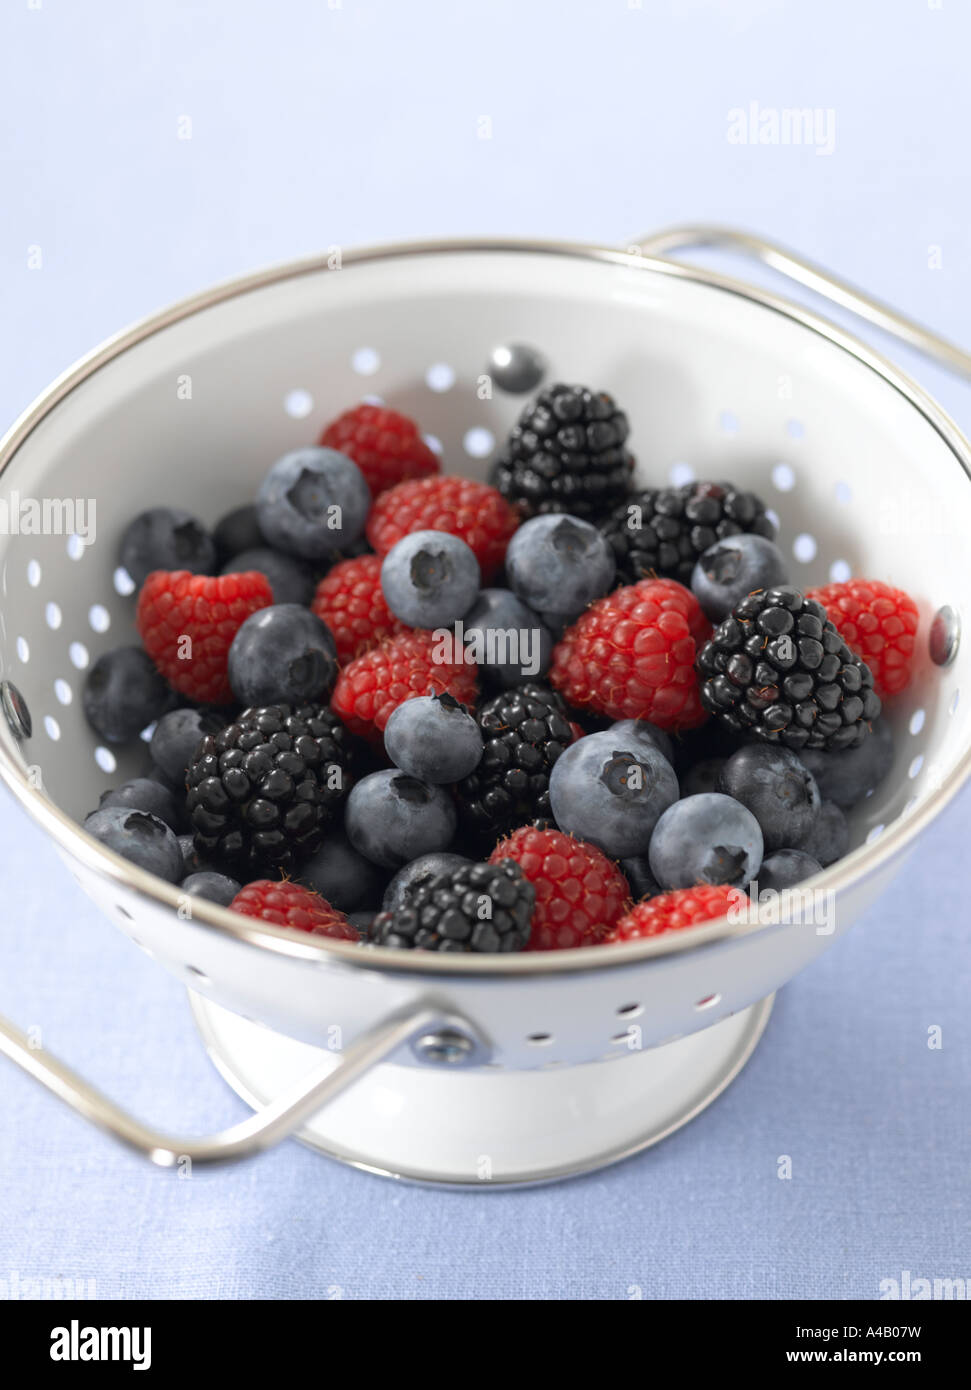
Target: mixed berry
[(400, 708)]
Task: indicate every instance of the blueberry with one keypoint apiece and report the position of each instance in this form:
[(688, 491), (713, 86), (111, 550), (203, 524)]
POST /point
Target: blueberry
[(123, 693), (848, 775), (338, 873), (214, 887), (416, 874), (508, 641), (701, 776), (176, 737), (785, 868), (290, 579), (643, 731), (282, 655), (777, 788), (144, 794), (430, 578), (141, 838), (312, 503), (829, 838), (192, 863), (610, 792), (559, 564), (734, 567), (638, 874), (434, 738), (709, 838), (166, 538), (237, 531), (391, 818)]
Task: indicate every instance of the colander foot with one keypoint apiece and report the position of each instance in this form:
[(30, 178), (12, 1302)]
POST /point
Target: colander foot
[(488, 1127)]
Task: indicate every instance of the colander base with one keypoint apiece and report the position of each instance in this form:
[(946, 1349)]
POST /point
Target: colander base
[(490, 1127)]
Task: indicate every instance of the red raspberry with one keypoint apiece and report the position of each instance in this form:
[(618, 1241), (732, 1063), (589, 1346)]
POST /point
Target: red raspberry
[(350, 601), (684, 907), (475, 512), (878, 623), (286, 904), (580, 893), (188, 621), (631, 655), (386, 446), (379, 681)]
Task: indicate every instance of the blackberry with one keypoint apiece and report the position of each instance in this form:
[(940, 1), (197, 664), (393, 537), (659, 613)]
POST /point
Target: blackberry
[(673, 526), (262, 789), (524, 731), (777, 668), (566, 454), (475, 908)]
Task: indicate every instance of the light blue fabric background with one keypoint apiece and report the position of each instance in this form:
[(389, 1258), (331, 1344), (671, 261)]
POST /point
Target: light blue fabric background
[(315, 124)]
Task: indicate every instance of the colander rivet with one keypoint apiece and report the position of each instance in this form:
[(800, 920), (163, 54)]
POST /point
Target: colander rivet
[(447, 1048), (945, 635), (15, 708), (516, 368)]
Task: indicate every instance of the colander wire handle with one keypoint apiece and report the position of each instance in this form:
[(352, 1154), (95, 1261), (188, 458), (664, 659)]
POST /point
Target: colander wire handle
[(795, 267), (261, 1130)]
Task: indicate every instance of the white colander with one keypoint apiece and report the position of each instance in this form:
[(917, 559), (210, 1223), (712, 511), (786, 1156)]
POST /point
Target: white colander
[(444, 1068)]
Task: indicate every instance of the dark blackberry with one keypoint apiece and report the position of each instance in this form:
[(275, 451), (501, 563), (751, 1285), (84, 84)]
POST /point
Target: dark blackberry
[(262, 789), (524, 731), (566, 454), (476, 908), (777, 668), (663, 531)]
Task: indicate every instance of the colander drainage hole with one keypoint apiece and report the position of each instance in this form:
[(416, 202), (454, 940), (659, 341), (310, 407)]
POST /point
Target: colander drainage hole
[(478, 442), (952, 707), (783, 477), (440, 377), (795, 429), (23, 649), (75, 548), (839, 572), (728, 422), (123, 912), (915, 766), (105, 759), (298, 403), (123, 582), (916, 721), (433, 442), (33, 574), (78, 653), (53, 615), (630, 1010), (365, 361), (63, 691), (540, 1039), (681, 474), (804, 547), (875, 833), (52, 727), (844, 493), (99, 617), (198, 975), (709, 1002)]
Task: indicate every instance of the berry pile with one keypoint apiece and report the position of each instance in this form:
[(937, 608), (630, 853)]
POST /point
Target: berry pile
[(353, 735)]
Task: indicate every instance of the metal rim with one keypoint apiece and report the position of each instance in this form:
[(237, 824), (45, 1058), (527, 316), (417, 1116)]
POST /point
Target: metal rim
[(759, 1014), (68, 834)]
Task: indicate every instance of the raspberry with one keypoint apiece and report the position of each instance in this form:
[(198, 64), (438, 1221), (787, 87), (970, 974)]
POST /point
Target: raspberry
[(386, 446), (878, 623), (381, 679), (174, 606), (684, 907), (350, 601), (474, 512), (286, 904), (580, 893), (631, 656)]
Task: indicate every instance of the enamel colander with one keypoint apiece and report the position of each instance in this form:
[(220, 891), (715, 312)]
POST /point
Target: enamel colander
[(496, 1070)]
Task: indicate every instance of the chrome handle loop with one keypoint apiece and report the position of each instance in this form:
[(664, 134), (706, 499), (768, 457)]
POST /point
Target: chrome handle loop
[(259, 1131), (667, 242)]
